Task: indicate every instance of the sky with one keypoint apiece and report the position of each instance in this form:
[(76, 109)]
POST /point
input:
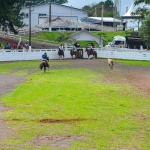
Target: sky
[(81, 3)]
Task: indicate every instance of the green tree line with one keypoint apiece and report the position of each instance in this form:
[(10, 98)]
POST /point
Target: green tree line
[(96, 9)]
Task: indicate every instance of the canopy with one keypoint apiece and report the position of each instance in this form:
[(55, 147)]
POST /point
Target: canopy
[(129, 14)]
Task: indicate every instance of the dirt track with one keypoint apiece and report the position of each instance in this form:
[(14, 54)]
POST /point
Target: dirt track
[(138, 76)]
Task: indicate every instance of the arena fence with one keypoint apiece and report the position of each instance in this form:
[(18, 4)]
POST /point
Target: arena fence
[(36, 54)]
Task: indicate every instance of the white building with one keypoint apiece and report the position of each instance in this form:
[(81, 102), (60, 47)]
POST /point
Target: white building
[(40, 13)]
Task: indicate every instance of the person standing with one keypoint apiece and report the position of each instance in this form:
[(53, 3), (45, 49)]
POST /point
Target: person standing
[(14, 45), (8, 46)]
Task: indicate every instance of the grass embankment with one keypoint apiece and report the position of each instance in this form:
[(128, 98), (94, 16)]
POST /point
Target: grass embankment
[(47, 37), (106, 116), (60, 37)]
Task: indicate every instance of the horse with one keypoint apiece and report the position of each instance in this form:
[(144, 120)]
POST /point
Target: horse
[(44, 64), (76, 53), (94, 53), (61, 53)]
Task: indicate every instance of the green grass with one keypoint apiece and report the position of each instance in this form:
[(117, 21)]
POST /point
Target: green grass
[(49, 37), (22, 67), (107, 116), (134, 62), (110, 34), (7, 67)]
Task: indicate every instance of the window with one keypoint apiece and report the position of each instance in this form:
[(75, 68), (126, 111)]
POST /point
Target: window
[(42, 14)]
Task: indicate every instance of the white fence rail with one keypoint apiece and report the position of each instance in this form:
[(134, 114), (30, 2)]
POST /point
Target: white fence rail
[(35, 54), (124, 53)]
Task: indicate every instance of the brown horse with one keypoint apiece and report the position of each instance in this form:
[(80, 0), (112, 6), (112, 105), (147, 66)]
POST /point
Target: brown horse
[(94, 53), (76, 53)]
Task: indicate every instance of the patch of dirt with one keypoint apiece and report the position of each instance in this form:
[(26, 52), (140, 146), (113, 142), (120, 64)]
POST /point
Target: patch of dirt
[(56, 142), (138, 76), (62, 121), (7, 84), (140, 80)]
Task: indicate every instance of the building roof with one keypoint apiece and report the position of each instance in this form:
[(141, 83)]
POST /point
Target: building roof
[(128, 14), (99, 19), (85, 31), (133, 8), (106, 19), (63, 23), (59, 5)]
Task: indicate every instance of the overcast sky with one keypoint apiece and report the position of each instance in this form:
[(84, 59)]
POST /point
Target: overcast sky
[(81, 3)]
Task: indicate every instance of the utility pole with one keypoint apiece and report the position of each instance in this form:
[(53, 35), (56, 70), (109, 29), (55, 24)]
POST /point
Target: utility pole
[(126, 19), (50, 16), (95, 12), (102, 16), (30, 10), (30, 28)]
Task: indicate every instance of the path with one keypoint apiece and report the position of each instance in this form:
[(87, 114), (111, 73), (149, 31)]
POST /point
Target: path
[(7, 84)]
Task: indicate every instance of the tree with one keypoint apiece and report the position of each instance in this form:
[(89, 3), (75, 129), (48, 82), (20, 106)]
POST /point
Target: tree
[(10, 15), (45, 1), (145, 31), (108, 9), (108, 4), (60, 1), (142, 12), (10, 12), (137, 2)]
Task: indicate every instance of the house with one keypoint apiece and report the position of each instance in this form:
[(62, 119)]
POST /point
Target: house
[(40, 13)]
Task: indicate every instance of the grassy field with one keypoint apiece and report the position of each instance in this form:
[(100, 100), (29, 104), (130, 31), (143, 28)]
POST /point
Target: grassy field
[(66, 103)]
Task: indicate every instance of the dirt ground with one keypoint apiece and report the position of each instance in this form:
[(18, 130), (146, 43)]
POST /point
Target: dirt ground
[(138, 76)]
